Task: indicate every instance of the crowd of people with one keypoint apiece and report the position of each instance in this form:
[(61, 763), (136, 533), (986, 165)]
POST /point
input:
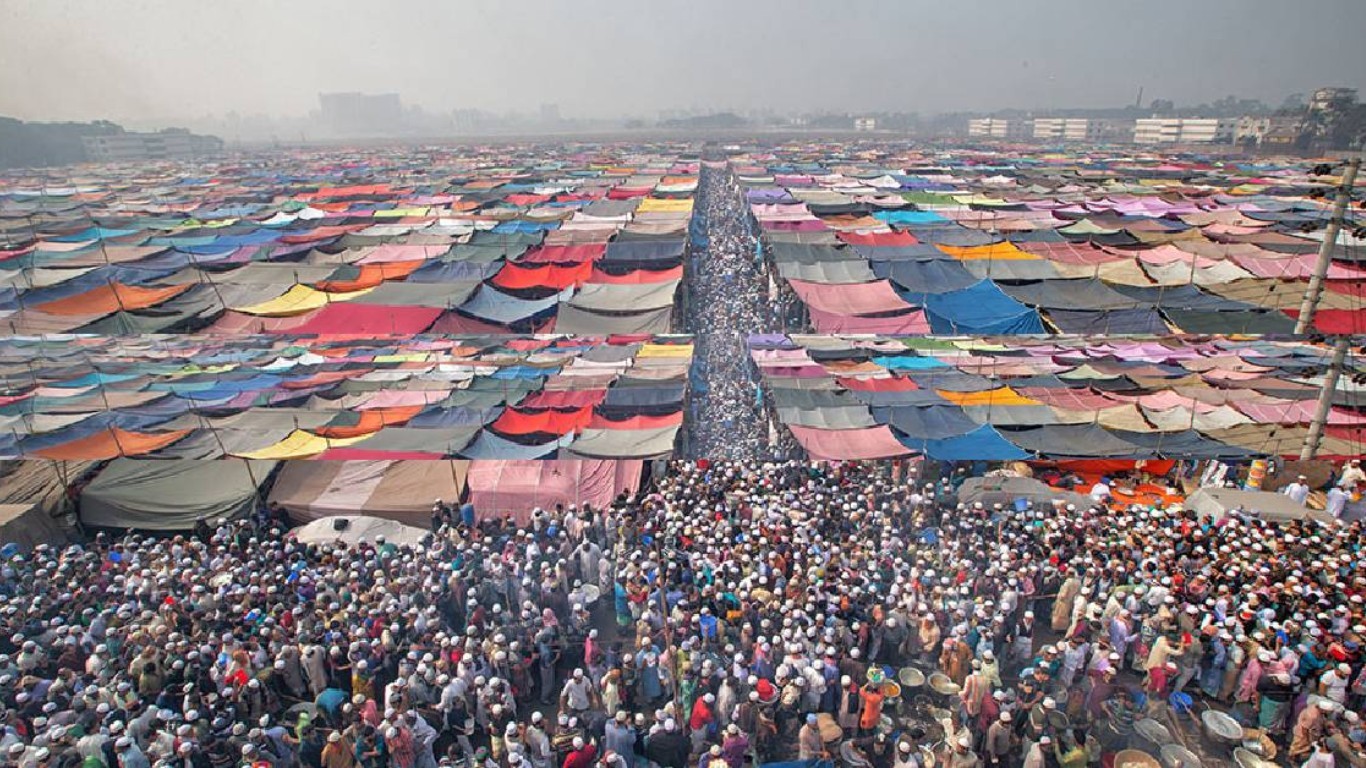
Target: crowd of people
[(726, 302), (733, 612)]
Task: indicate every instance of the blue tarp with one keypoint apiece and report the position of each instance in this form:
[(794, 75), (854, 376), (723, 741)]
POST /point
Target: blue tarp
[(981, 444), (934, 422), (981, 308), (494, 305), (491, 446), (909, 217)]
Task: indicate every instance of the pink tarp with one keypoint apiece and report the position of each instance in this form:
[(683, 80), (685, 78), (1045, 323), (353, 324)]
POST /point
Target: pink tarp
[(383, 254), (514, 488), (849, 444), (850, 299), (349, 318), (908, 322)]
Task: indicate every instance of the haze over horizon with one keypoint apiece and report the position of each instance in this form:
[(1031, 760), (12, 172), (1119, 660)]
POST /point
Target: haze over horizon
[(165, 60)]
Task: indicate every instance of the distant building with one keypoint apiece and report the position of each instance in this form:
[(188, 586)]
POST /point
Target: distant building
[(550, 114), (1109, 130), (1060, 128), (361, 114), (865, 124), (1184, 130), (168, 144), (988, 127), (1332, 99)]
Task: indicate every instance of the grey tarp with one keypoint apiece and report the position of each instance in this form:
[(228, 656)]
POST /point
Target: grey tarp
[(1015, 415), (1071, 294), (573, 320), (196, 303), (998, 489), (491, 446), (610, 208), (494, 305), (830, 417), (396, 294), (1012, 269), (1110, 321), (900, 253), (927, 276), (1075, 440), (171, 495), (808, 253), (624, 443), (644, 251), (933, 422), (819, 237), (1187, 444), (1267, 321), (901, 397), (625, 297), (827, 272), (1219, 502), (813, 399)]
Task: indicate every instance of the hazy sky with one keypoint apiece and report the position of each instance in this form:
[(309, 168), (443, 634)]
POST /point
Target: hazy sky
[(148, 59)]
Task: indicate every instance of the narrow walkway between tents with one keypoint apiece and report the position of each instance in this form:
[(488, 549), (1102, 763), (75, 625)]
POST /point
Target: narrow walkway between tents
[(726, 302)]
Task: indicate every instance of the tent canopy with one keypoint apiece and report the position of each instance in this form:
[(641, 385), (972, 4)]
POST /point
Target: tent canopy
[(171, 495)]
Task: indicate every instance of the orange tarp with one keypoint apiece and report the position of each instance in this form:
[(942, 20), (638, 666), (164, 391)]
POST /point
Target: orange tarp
[(1002, 396), (111, 298), (370, 276), (998, 251), (878, 238), (372, 420), (110, 444), (552, 422)]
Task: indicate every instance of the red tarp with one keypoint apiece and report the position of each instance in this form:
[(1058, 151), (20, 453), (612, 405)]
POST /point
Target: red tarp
[(347, 318), (851, 299), (564, 254), (883, 384), (626, 193), (514, 488), (878, 238), (543, 276), (564, 398), (637, 276), (550, 421), (1339, 321), (849, 444)]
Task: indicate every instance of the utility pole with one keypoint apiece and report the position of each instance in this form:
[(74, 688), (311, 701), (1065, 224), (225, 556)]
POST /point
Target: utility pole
[(1330, 240), (1330, 385)]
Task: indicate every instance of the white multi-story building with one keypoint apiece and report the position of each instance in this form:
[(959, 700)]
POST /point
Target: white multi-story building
[(988, 127), (1061, 128), (1184, 130)]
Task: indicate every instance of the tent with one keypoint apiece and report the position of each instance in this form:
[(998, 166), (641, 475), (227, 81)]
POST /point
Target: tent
[(514, 488), (403, 491), (172, 495), (355, 529), (1005, 489), (1221, 502), (27, 526)]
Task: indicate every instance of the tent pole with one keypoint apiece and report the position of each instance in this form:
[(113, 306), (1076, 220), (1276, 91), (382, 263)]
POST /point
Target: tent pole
[(1325, 404), (1330, 240)]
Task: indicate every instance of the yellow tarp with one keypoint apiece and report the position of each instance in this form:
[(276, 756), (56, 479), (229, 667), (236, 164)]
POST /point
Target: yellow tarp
[(1002, 396), (665, 350), (298, 300), (401, 212), (300, 445), (656, 205), (1000, 251)]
